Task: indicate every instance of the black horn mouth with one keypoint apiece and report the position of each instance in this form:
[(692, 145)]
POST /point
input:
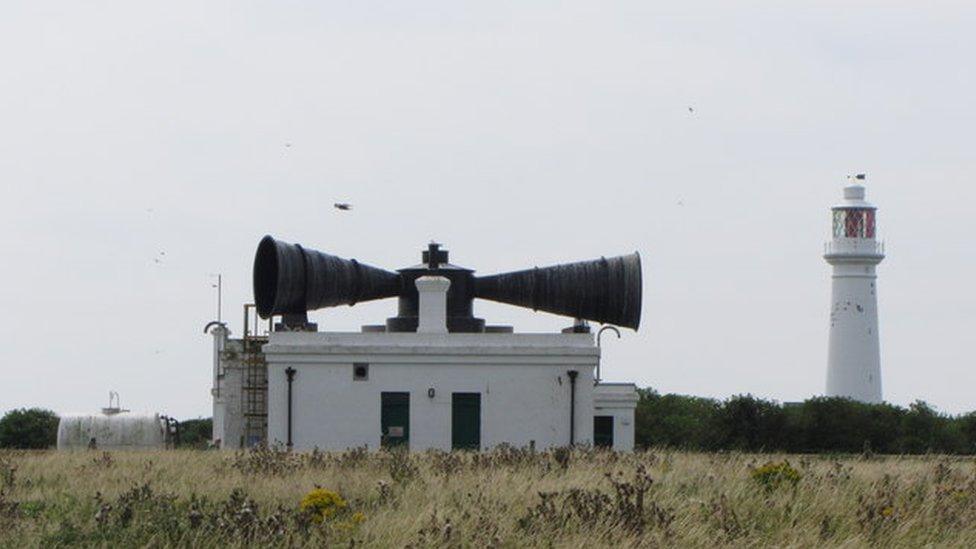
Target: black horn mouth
[(606, 290), (265, 276), (273, 292), (289, 279)]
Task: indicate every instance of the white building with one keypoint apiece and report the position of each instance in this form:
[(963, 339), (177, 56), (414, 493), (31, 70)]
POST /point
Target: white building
[(854, 358), (426, 387)]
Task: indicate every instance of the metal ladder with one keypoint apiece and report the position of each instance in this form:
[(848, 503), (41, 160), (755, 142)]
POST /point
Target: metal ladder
[(255, 382)]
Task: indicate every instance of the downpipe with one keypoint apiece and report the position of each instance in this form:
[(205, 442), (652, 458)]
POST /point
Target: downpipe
[(572, 406), (290, 374)]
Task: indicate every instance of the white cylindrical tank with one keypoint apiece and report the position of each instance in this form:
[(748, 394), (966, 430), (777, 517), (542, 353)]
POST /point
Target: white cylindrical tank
[(120, 431), (854, 354)]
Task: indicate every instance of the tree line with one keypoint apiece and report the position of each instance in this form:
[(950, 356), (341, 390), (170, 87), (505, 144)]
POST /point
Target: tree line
[(817, 425), (741, 422)]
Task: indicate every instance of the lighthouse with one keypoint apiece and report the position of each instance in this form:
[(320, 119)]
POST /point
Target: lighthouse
[(854, 357)]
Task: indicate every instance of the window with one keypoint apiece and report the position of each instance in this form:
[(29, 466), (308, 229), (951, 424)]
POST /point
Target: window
[(854, 223), (360, 371), (839, 223)]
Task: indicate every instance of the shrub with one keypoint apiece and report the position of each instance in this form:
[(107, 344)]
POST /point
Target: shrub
[(772, 475), (196, 433), (322, 504), (33, 428)]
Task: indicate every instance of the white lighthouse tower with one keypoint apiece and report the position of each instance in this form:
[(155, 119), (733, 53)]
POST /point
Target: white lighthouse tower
[(854, 358)]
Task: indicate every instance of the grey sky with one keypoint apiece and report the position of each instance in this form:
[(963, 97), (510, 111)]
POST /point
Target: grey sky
[(516, 134)]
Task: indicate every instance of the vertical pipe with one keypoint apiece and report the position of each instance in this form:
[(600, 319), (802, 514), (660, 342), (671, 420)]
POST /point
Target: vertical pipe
[(572, 406), (599, 358), (220, 289), (290, 374)]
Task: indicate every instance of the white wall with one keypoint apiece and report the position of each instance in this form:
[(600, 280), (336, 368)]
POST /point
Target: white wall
[(228, 405), (522, 379), (220, 334), (233, 418)]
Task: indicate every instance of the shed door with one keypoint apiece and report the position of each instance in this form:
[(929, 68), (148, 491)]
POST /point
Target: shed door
[(395, 418), (603, 431), (466, 421)]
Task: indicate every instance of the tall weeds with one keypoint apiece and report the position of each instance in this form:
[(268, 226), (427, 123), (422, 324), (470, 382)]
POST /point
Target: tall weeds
[(508, 497)]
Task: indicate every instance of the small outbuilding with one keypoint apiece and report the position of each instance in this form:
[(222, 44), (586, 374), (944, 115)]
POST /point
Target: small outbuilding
[(115, 429)]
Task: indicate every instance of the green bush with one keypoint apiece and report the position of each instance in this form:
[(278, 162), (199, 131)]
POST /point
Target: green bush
[(33, 428), (675, 420), (196, 433)]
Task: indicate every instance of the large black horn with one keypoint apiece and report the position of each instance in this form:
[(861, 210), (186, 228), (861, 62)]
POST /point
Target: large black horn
[(604, 290), (289, 279)]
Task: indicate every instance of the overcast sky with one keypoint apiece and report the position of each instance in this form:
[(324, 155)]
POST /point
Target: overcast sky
[(516, 133)]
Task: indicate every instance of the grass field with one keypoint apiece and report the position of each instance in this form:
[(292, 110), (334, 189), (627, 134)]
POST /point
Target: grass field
[(504, 498)]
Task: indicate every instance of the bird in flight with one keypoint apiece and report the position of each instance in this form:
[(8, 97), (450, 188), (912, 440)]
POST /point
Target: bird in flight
[(344, 206), (288, 145), (691, 110)]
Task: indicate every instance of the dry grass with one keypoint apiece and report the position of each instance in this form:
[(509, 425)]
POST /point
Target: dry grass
[(505, 498)]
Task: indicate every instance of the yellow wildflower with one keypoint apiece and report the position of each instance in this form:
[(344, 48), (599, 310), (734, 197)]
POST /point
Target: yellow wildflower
[(322, 504)]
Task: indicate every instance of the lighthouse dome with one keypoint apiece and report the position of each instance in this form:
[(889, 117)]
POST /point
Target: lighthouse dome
[(854, 199)]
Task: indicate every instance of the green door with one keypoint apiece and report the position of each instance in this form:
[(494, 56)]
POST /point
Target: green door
[(466, 421), (395, 419), (603, 431)]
